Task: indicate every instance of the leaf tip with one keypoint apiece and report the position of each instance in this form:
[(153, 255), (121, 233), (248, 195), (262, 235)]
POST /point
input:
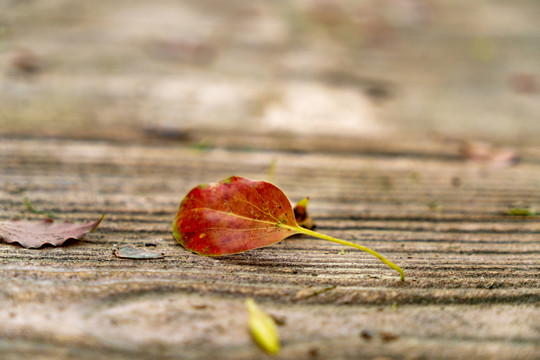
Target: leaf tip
[(97, 223), (303, 202)]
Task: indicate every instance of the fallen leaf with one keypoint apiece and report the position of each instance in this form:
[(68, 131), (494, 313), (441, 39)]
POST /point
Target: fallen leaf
[(263, 328), (301, 215), (131, 252), (483, 152), (238, 214), (35, 234)]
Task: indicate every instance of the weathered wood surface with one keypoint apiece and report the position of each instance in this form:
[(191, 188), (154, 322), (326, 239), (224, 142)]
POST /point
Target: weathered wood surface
[(121, 107), (472, 287)]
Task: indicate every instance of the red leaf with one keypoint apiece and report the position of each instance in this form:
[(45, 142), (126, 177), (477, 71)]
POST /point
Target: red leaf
[(34, 234), (232, 216), (239, 214)]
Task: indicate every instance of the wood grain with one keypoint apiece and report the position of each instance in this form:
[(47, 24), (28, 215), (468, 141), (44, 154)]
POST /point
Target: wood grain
[(473, 276)]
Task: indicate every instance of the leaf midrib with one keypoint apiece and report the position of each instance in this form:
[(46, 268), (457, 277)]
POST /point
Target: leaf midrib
[(283, 226)]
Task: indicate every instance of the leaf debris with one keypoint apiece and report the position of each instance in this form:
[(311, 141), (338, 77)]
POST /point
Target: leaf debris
[(301, 214), (263, 328), (35, 234), (130, 251)]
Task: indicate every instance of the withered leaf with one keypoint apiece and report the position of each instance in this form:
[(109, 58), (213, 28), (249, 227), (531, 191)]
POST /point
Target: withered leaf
[(35, 234), (132, 252), (301, 214)]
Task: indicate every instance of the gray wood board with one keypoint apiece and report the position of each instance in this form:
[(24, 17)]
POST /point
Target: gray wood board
[(472, 287)]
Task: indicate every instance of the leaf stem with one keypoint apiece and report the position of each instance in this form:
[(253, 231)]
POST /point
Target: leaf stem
[(302, 230)]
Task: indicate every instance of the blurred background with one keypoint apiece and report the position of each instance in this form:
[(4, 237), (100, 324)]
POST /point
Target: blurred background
[(136, 69)]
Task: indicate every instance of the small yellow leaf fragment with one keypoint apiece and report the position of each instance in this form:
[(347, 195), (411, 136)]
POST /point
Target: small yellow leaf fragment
[(263, 328), (303, 202)]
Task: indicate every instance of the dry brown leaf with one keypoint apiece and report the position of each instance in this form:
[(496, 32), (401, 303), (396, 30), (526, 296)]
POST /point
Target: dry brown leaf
[(35, 234), (301, 215)]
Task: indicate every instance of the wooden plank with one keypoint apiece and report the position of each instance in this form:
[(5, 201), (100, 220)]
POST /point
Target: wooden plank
[(121, 107), (473, 274)]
